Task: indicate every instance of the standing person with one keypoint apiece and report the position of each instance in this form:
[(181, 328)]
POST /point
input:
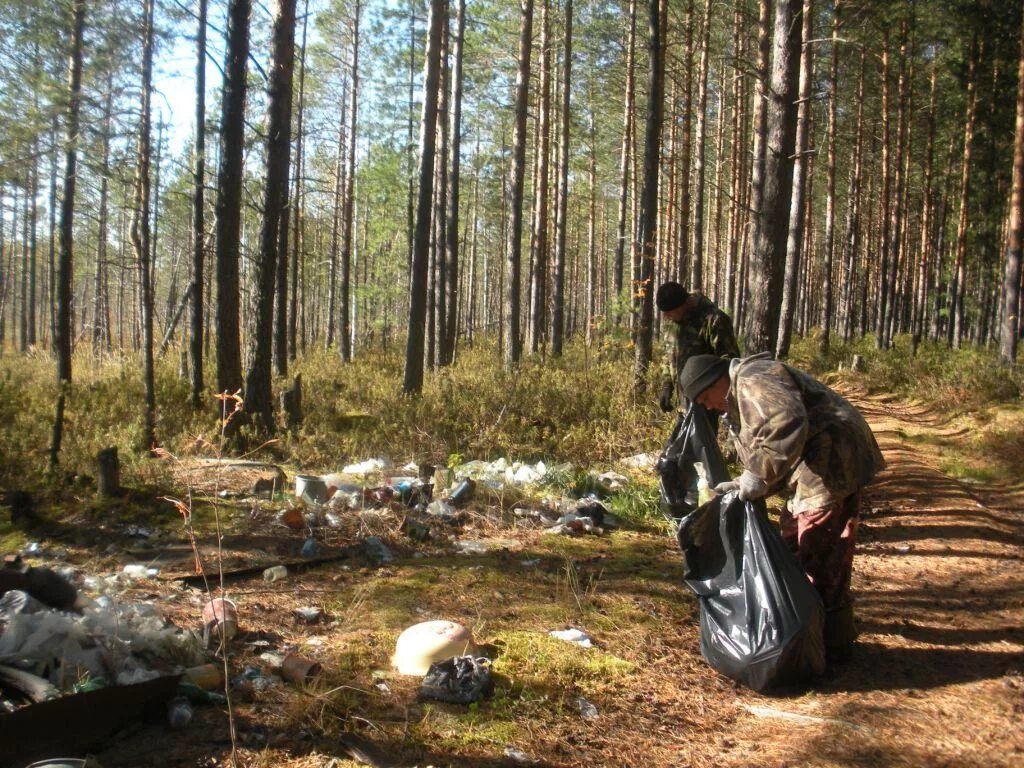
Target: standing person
[(793, 433), (701, 329)]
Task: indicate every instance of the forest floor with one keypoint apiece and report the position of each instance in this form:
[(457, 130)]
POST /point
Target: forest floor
[(937, 678)]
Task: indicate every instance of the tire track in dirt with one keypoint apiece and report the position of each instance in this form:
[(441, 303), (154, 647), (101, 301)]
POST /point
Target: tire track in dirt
[(938, 675)]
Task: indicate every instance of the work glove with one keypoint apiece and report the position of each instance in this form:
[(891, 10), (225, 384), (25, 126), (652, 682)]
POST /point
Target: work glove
[(749, 485), (665, 401)]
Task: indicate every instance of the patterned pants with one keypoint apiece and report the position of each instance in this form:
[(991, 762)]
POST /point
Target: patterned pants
[(823, 540)]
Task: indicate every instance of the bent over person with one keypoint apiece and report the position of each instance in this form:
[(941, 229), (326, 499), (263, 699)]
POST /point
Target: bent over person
[(701, 329), (793, 433)]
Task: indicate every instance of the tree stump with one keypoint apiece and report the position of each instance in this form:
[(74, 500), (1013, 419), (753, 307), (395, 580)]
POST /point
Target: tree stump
[(857, 364), (108, 472), (291, 403)]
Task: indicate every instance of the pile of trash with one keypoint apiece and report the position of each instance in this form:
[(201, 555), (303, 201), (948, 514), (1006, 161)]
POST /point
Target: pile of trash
[(376, 484)]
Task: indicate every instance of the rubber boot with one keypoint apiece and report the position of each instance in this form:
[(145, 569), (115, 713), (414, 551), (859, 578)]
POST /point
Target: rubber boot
[(840, 633)]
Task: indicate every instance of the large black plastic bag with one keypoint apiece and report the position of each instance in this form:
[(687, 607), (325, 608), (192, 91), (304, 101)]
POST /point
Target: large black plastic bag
[(692, 440), (760, 618)]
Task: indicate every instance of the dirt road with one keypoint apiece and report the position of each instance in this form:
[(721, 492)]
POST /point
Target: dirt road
[(938, 677)]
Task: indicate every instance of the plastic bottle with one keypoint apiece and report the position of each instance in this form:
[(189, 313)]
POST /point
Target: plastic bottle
[(179, 713), (276, 573)]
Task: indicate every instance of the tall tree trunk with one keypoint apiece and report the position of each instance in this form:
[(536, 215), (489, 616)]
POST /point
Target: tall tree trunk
[(140, 232), (697, 251), (852, 239), (259, 402), (759, 127), (562, 207), (104, 215), (511, 309), (767, 261), (348, 220), (229, 205), (452, 227), (958, 288), (648, 221), (686, 151), (413, 376), (539, 262), (199, 212), (592, 260), (795, 238), (896, 225), (62, 338), (881, 305), (735, 163), (618, 272), (339, 187), (925, 254), (1012, 270), (830, 190), (297, 197)]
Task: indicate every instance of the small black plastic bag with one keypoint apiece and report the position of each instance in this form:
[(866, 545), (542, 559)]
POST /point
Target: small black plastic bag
[(760, 618), (693, 439), (458, 680)]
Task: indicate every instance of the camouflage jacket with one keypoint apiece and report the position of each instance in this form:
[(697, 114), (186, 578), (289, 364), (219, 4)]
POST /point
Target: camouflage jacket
[(707, 330), (797, 434)]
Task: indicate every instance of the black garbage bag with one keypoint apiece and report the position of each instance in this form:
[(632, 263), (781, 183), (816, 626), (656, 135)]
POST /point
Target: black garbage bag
[(693, 439), (458, 680), (760, 618)]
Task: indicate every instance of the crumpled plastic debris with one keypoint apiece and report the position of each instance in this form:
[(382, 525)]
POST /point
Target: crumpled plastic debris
[(587, 710), (573, 635), (499, 473), (643, 461), (377, 550), (367, 467), (612, 481), (519, 757), (108, 639), (458, 680)]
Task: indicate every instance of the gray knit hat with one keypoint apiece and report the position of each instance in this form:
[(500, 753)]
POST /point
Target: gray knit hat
[(700, 372)]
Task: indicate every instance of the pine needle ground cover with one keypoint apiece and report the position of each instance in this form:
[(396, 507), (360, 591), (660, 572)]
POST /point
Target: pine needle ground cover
[(936, 680)]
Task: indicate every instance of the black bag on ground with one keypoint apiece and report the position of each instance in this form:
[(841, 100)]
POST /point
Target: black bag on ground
[(693, 439), (760, 618), (459, 680)]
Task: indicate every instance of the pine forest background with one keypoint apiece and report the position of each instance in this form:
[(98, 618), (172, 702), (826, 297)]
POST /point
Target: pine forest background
[(419, 178)]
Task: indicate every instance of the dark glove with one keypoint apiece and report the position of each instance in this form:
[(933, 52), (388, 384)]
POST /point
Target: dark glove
[(667, 393), (749, 485)]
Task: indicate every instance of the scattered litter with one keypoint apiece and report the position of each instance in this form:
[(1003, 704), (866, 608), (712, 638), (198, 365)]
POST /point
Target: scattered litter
[(140, 531), (642, 461), (532, 563), (903, 548), (293, 517), (311, 488), (139, 571), (442, 509), (612, 481), (220, 618), (519, 757), (254, 679), (179, 713), (309, 614), (383, 688), (573, 635), (471, 547), (459, 680), (300, 670), (415, 530), (272, 660), (275, 573), (367, 467), (462, 492), (310, 548), (587, 710), (377, 550), (422, 644), (483, 546)]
